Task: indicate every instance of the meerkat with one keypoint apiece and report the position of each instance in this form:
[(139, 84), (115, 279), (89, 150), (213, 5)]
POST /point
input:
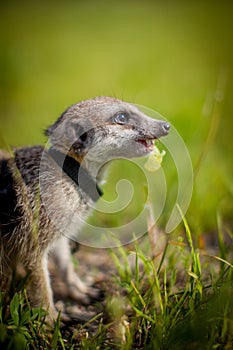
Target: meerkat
[(46, 193)]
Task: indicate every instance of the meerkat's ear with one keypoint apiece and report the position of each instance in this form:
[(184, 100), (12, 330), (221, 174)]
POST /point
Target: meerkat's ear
[(80, 135)]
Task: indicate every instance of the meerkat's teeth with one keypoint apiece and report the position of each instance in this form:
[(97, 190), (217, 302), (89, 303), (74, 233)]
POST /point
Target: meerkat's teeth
[(149, 144)]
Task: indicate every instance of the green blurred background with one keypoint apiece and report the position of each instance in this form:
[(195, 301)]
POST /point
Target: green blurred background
[(166, 55)]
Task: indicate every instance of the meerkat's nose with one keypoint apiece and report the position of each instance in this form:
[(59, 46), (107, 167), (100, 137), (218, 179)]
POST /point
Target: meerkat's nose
[(166, 127)]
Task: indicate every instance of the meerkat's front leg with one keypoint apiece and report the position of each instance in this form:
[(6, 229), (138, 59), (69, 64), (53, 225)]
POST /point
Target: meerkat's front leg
[(76, 288), (39, 288)]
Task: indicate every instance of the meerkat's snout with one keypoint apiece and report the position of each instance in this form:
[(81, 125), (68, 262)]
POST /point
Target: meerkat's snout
[(148, 134), (158, 128)]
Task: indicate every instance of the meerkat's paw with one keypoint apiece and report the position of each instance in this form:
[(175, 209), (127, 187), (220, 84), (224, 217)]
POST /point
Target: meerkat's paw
[(81, 292)]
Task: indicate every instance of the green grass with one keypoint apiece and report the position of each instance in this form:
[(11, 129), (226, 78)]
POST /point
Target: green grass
[(171, 314), (172, 301)]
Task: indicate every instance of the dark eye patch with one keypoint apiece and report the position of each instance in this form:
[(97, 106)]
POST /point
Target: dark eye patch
[(121, 118)]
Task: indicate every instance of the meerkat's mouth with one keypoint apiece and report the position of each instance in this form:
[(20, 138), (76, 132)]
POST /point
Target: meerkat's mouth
[(147, 143)]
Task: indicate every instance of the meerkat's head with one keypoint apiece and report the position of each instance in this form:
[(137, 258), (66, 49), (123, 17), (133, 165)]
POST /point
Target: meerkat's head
[(103, 128)]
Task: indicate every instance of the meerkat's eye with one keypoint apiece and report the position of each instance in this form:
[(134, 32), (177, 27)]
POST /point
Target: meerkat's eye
[(121, 118)]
